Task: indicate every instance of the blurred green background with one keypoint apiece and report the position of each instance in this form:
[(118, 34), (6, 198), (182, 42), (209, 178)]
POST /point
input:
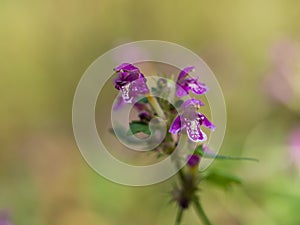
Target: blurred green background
[(45, 47)]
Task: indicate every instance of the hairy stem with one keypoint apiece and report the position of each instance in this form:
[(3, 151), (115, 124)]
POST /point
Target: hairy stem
[(201, 212), (156, 106), (179, 216), (181, 175)]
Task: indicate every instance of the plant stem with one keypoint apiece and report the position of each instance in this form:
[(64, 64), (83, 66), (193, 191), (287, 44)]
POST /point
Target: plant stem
[(156, 106), (181, 175), (179, 216), (201, 213)]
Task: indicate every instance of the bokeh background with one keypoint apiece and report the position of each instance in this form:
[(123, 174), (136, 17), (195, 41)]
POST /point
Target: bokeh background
[(45, 47)]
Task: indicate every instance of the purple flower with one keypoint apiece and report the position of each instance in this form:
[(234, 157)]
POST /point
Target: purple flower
[(193, 160), (186, 84), (191, 119), (4, 220), (294, 146), (119, 104), (280, 80), (130, 81)]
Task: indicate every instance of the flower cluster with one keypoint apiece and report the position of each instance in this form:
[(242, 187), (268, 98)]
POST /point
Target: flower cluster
[(132, 85), (183, 119), (187, 120)]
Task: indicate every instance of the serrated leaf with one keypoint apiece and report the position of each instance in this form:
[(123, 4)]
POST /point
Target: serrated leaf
[(139, 127)]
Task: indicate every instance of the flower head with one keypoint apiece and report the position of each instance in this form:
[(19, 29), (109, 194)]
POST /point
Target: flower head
[(193, 160), (130, 81), (191, 119), (186, 84), (181, 198)]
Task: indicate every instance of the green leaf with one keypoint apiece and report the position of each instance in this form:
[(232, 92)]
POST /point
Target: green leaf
[(178, 103), (139, 127), (154, 90), (222, 179), (122, 133), (200, 151), (206, 155), (143, 100)]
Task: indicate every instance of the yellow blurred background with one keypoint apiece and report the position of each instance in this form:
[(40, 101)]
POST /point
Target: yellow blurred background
[(45, 47)]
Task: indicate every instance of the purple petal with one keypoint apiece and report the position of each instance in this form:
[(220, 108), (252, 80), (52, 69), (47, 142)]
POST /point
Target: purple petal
[(126, 67), (186, 84), (123, 78), (139, 106), (192, 101), (294, 145), (120, 102), (176, 125), (126, 73), (134, 89), (127, 94), (132, 77), (183, 73), (4, 218), (206, 122), (196, 87), (207, 150), (120, 80), (193, 130), (139, 86), (193, 160), (182, 91)]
